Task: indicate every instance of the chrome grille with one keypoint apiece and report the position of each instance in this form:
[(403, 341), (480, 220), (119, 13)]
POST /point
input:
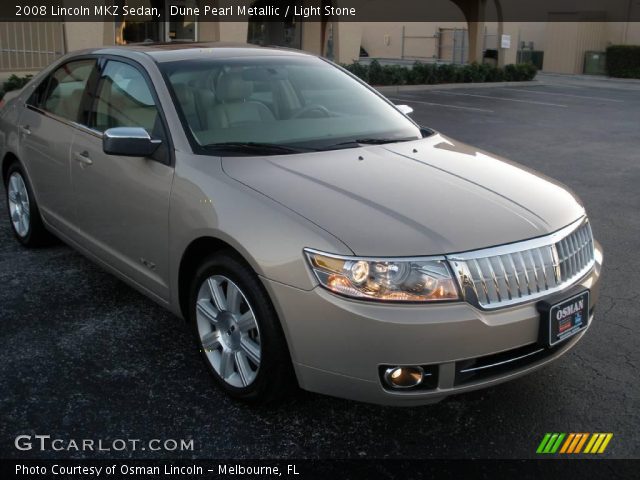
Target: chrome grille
[(510, 274)]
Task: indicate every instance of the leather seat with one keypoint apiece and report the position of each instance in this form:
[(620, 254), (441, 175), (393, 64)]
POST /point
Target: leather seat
[(235, 109), (188, 104)]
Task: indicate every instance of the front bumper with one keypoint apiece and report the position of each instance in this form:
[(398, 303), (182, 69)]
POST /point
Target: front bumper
[(338, 345)]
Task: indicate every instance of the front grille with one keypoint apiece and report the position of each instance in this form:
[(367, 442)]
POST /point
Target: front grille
[(523, 271)]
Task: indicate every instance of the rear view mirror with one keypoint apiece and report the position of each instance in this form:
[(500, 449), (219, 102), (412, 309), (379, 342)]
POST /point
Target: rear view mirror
[(129, 142), (406, 109)]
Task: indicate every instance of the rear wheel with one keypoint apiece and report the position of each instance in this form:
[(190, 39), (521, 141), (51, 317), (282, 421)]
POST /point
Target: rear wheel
[(24, 215), (238, 332)]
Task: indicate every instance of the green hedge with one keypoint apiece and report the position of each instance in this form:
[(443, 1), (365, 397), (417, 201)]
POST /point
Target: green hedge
[(430, 73), (623, 61), (14, 82)]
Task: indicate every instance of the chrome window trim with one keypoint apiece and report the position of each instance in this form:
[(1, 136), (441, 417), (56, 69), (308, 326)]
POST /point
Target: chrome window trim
[(65, 121), (459, 264)]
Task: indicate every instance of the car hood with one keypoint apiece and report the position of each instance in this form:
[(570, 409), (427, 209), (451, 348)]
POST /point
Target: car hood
[(425, 197)]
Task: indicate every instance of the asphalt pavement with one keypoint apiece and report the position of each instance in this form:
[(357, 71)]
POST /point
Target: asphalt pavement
[(85, 356)]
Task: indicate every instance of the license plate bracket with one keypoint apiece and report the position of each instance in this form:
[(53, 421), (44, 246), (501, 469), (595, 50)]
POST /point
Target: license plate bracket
[(562, 318)]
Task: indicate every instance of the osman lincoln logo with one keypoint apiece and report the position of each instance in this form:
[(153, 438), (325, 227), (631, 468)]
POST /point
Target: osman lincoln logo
[(574, 443)]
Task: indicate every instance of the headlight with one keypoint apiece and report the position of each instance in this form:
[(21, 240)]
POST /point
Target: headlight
[(394, 280)]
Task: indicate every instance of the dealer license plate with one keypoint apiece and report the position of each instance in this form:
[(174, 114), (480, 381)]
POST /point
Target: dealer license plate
[(568, 317)]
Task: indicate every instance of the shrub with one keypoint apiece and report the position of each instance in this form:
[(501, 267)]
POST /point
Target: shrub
[(14, 82), (429, 73), (375, 73), (394, 75), (446, 73), (623, 61), (359, 70)]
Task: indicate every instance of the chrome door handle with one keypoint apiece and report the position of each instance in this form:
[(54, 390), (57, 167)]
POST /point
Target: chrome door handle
[(25, 130), (83, 158)]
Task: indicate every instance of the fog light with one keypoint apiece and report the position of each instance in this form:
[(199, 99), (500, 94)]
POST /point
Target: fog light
[(404, 377)]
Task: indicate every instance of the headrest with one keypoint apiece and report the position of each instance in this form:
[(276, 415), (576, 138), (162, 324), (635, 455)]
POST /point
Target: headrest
[(232, 88), (138, 89), (185, 95)]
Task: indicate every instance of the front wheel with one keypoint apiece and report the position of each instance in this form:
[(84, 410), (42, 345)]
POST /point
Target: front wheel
[(238, 332)]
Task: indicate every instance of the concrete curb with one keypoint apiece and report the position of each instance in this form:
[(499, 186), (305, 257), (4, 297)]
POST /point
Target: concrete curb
[(590, 78), (452, 86)]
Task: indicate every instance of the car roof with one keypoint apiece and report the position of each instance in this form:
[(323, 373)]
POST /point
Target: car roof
[(174, 51)]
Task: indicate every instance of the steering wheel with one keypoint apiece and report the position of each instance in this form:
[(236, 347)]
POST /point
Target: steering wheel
[(312, 108)]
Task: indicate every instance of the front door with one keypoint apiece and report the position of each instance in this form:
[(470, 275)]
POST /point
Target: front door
[(123, 202)]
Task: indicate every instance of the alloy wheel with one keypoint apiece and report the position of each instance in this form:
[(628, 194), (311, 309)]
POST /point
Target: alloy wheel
[(228, 331), (19, 204)]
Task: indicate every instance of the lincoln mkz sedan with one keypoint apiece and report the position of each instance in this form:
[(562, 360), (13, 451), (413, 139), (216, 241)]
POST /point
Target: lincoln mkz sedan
[(307, 229)]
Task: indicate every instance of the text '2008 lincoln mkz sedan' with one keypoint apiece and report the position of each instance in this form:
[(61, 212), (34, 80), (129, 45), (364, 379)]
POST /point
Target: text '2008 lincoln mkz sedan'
[(307, 228)]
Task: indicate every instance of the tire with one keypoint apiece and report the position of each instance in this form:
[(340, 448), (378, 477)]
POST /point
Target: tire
[(24, 215), (237, 331)]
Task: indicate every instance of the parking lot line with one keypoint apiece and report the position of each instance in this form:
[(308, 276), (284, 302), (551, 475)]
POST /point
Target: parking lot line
[(473, 109), (533, 90), (500, 98)]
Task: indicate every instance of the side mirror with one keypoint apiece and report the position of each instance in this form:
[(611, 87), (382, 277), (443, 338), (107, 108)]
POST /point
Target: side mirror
[(129, 142), (405, 109)]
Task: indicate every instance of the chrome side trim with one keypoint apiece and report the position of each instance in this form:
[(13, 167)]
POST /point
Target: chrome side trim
[(466, 370)]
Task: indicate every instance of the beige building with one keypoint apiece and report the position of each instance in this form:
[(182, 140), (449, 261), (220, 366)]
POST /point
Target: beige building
[(558, 46)]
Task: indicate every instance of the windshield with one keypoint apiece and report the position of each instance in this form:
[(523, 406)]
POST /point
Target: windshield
[(288, 104)]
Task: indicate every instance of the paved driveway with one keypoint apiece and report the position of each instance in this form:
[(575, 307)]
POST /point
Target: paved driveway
[(84, 356)]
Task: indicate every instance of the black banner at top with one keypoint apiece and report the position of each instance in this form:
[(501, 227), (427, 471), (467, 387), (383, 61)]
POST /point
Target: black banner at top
[(323, 10)]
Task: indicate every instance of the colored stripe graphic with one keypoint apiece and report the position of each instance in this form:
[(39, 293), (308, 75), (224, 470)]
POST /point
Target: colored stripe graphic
[(572, 443), (550, 443), (555, 447), (592, 440), (581, 443), (567, 442), (605, 443), (543, 443)]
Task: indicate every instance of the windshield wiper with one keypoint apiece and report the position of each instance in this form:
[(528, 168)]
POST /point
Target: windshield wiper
[(368, 141), (255, 147)]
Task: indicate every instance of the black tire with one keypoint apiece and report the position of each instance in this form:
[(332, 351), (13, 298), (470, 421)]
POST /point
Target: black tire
[(36, 235), (274, 379)]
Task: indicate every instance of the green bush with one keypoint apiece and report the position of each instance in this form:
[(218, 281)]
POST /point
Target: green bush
[(359, 70), (14, 82), (429, 74), (623, 61), (375, 73)]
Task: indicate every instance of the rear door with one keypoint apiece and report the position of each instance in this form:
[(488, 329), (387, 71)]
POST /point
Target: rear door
[(47, 127), (123, 202)]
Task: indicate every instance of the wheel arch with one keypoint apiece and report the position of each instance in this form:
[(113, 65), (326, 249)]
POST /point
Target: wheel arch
[(198, 249), (8, 159)]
